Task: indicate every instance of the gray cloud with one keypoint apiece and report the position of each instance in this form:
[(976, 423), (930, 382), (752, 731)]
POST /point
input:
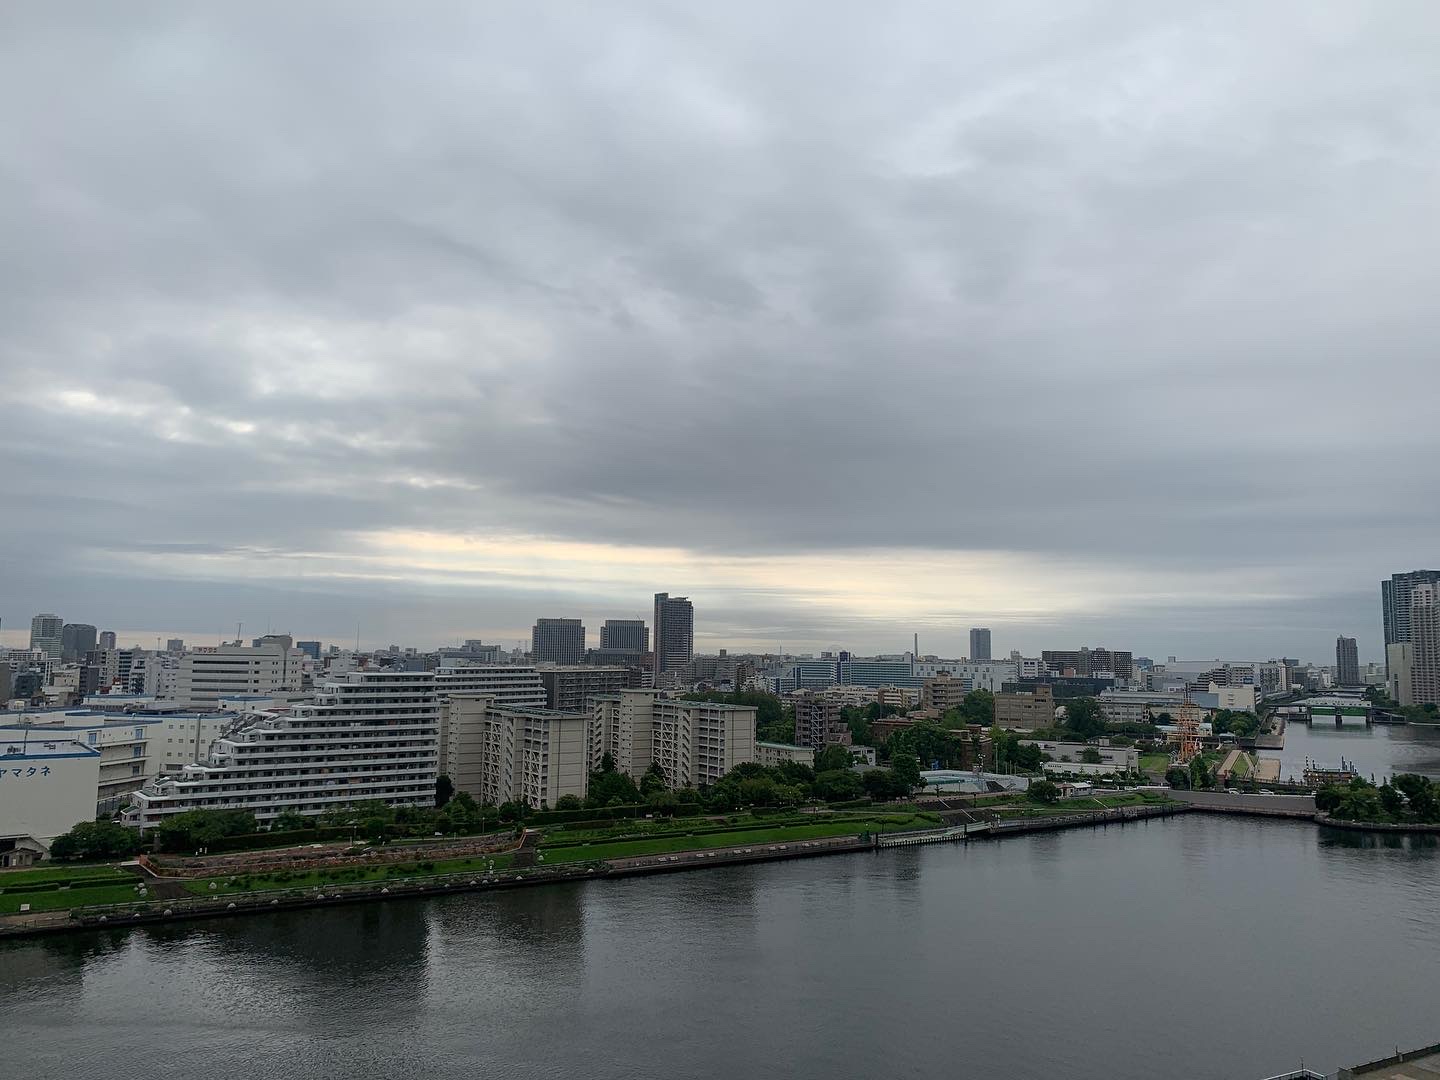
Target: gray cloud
[(1137, 285)]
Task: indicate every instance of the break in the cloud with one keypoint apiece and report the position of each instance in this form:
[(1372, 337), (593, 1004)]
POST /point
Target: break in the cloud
[(1109, 321)]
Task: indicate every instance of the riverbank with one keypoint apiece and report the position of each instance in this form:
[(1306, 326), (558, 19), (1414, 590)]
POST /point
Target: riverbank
[(651, 857)]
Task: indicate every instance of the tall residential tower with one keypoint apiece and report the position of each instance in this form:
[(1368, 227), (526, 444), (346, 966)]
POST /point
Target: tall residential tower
[(674, 624)]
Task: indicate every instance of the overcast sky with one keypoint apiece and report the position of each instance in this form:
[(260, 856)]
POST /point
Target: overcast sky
[(1110, 322)]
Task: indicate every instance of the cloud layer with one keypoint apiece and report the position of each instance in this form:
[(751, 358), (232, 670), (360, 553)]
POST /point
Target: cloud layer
[(847, 321)]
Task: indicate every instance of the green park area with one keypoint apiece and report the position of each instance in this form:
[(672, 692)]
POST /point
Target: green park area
[(58, 888), (1155, 763), (349, 875)]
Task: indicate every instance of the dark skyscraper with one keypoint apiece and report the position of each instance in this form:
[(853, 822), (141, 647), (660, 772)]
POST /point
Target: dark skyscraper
[(557, 641), (979, 643), (1347, 662), (76, 639), (674, 624), (625, 635)]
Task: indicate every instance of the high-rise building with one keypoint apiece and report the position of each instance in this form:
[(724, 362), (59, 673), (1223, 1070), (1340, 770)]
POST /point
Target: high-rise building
[(508, 684), (175, 645), (46, 634), (674, 624), (373, 735), (979, 643), (557, 641), (531, 755), (107, 639), (1425, 643), (76, 639), (309, 648), (627, 635), (1395, 603), (1347, 662)]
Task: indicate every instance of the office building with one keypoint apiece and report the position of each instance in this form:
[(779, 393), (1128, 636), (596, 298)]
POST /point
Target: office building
[(818, 722), (695, 743), (879, 671), (674, 623), (573, 688), (175, 645), (1425, 643), (371, 735), (1087, 662), (625, 635), (310, 649), (47, 636), (557, 641), (989, 675), (206, 675), (1347, 662), (77, 639), (107, 639), (1026, 711), (979, 643)]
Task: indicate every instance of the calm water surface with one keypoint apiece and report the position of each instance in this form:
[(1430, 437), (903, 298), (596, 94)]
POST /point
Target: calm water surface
[(1380, 750), (1195, 947)]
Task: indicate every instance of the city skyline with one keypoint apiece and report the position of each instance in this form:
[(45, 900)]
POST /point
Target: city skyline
[(913, 324)]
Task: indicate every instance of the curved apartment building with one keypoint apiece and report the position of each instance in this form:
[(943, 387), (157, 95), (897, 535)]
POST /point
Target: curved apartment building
[(370, 735)]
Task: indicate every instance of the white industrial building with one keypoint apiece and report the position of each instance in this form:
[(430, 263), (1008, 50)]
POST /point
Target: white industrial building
[(373, 735), (47, 786)]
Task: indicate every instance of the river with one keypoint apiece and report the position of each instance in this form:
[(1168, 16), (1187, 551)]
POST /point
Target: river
[(1198, 946)]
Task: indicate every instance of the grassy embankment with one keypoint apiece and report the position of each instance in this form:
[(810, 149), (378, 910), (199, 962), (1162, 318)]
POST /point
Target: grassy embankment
[(1156, 763), (1022, 809), (57, 888)]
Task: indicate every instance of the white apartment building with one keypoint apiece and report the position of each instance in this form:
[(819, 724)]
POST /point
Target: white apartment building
[(206, 675), (373, 735), (508, 684), (771, 754), (695, 743), (526, 754)]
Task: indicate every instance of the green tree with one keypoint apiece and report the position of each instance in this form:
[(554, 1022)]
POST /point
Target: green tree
[(444, 788), (195, 829), (906, 768), (1090, 756), (1042, 791), (882, 785), (653, 780), (569, 802), (838, 785), (610, 788), (978, 708), (663, 801), (1177, 777), (831, 758), (289, 821), (95, 840), (1084, 718), (514, 811), (1200, 776)]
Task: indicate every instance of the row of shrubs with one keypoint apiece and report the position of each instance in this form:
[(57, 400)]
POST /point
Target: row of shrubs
[(68, 883)]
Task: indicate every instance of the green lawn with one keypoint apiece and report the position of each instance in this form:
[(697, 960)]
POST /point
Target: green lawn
[(42, 874), (348, 876), (1154, 762), (1242, 767), (621, 849), (62, 899)]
